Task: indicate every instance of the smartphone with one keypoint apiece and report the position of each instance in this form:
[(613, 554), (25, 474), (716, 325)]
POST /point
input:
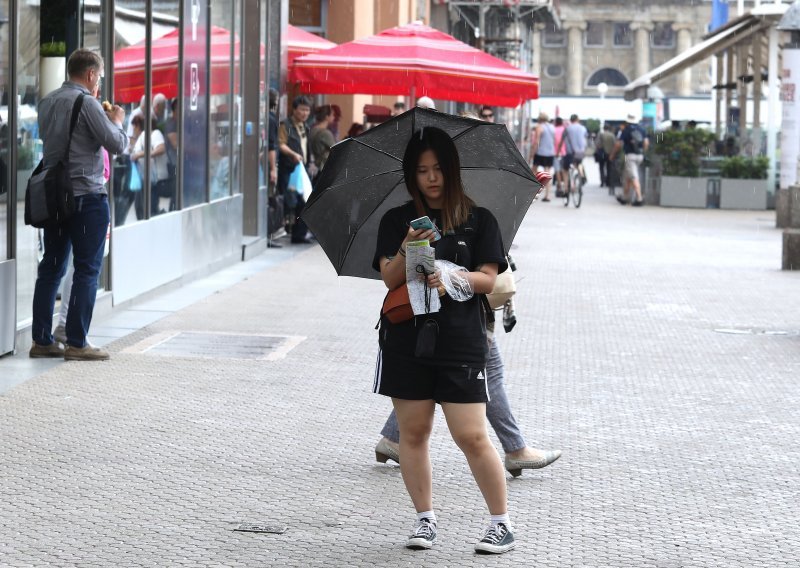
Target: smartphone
[(426, 223)]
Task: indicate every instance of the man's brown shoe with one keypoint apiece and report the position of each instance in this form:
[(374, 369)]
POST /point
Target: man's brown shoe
[(45, 351), (88, 353)]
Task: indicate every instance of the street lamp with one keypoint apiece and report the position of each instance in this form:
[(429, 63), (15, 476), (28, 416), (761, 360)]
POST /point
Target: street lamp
[(602, 88)]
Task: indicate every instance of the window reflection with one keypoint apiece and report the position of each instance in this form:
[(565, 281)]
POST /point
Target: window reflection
[(29, 146), (223, 44), (4, 133)]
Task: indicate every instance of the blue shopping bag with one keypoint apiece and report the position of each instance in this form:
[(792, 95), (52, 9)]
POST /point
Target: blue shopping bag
[(136, 178), (299, 180)]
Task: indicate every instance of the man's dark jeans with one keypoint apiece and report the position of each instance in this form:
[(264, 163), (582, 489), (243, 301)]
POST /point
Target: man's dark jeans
[(85, 235)]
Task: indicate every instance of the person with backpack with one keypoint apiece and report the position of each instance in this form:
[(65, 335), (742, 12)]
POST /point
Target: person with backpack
[(632, 140)]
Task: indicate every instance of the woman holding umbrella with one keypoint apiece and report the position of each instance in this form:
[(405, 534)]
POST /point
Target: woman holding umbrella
[(454, 373)]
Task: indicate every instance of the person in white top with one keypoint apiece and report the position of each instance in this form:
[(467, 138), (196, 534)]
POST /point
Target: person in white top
[(159, 172)]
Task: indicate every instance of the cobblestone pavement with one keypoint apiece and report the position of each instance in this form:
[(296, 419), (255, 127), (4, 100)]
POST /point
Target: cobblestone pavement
[(658, 348)]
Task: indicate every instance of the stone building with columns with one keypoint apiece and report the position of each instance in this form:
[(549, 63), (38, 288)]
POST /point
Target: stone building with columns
[(616, 41)]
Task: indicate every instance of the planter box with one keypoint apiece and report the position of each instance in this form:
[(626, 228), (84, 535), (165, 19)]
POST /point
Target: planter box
[(684, 192), (743, 194)]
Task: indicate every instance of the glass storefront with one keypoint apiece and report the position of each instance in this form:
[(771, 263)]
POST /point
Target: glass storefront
[(178, 75)]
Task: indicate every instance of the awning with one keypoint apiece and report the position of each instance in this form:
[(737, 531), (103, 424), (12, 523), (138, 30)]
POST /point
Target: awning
[(415, 56), (300, 42), (721, 39)]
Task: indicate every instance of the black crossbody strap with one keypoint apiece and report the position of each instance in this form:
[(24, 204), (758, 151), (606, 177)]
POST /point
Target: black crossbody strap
[(73, 120)]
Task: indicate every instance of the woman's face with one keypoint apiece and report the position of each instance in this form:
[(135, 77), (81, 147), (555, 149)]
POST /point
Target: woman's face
[(429, 178)]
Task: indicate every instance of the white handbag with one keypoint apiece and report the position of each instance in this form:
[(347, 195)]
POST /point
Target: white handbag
[(504, 288)]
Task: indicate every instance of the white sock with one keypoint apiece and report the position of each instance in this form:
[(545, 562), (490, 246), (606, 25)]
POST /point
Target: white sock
[(495, 519), (430, 515)]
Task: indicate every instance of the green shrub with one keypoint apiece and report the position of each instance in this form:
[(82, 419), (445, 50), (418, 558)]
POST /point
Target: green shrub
[(53, 49), (25, 157), (592, 125), (681, 150), (741, 167)]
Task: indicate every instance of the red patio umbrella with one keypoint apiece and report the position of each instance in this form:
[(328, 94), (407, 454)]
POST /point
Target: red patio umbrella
[(129, 66), (301, 42), (416, 57)]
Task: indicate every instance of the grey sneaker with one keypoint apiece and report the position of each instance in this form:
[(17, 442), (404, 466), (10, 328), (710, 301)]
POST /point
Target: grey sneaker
[(45, 351), (88, 353), (387, 450), (496, 539), (60, 334), (423, 536)]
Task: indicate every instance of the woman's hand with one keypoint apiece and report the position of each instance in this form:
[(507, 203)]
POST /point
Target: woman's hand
[(433, 279), (416, 235)]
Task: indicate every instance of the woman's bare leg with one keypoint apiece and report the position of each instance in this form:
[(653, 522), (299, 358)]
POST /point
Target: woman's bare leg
[(467, 423), (415, 418)]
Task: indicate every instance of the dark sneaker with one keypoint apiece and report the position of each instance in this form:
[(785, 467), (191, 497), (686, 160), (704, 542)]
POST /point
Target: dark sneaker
[(45, 351), (638, 203), (560, 193), (423, 536), (88, 353), (496, 539), (621, 201)]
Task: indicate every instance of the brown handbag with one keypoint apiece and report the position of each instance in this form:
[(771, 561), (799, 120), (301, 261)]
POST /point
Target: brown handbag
[(397, 305)]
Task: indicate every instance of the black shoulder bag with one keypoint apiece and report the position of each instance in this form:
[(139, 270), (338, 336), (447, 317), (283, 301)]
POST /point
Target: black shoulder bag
[(49, 198)]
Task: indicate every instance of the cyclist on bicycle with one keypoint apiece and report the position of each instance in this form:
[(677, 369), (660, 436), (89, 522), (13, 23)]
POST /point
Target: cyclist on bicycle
[(575, 140)]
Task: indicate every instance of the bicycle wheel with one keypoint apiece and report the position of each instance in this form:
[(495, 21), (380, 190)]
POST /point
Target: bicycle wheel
[(567, 188), (577, 189)]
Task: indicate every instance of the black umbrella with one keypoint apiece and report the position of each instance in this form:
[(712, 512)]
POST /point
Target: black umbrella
[(363, 178)]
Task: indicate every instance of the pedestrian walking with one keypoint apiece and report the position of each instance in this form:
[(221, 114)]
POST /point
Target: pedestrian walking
[(633, 142), (85, 231), (454, 375), (604, 146), (558, 162), (543, 149), (518, 454), (321, 138)]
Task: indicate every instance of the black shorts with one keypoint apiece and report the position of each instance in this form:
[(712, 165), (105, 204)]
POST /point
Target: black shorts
[(544, 161), (409, 379)]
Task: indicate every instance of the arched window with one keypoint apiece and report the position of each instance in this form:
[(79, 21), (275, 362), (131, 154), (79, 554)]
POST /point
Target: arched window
[(609, 76)]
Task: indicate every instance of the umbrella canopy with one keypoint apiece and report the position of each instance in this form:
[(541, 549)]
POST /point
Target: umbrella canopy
[(363, 178), (301, 42), (415, 56), (129, 66)]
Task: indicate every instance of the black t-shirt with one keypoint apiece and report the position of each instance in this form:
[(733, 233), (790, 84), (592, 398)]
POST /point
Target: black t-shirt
[(462, 325)]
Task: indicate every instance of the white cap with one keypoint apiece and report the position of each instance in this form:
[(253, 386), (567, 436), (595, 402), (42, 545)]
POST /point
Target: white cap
[(426, 102)]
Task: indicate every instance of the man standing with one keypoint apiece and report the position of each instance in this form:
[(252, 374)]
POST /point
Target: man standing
[(321, 137), (605, 145), (85, 231), (293, 146), (633, 141)]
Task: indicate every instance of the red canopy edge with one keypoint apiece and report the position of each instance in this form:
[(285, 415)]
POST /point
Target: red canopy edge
[(415, 55)]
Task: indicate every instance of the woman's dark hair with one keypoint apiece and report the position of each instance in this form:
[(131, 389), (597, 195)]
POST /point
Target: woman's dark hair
[(138, 120), (559, 121), (456, 204), (355, 130)]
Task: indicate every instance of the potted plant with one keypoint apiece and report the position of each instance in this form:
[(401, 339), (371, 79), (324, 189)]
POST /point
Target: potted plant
[(682, 184), (52, 66), (743, 184)]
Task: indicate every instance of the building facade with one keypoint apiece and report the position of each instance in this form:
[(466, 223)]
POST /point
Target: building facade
[(614, 42)]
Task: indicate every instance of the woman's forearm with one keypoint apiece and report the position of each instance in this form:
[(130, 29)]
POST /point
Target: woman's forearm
[(393, 271)]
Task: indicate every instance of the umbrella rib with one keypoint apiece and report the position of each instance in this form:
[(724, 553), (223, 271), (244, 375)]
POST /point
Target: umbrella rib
[(357, 180), (385, 153)]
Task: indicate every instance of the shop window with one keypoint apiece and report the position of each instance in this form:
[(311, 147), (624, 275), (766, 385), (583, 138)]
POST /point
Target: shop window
[(224, 71), (552, 37), (623, 37), (194, 105), (595, 34), (663, 36)]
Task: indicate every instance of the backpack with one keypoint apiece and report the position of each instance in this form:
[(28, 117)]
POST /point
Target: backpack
[(637, 140)]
